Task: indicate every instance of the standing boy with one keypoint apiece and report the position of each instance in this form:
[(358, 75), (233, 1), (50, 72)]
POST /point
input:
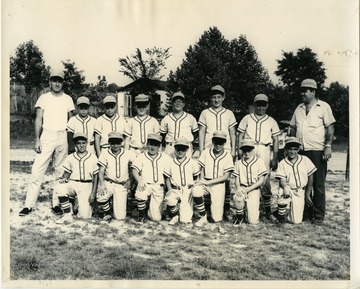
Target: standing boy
[(178, 124), (53, 109), (108, 122), (141, 125), (216, 166), (264, 130), (180, 175), (295, 174), (114, 180), (78, 181), (250, 172), (218, 118), (148, 171), (313, 123), (82, 122)]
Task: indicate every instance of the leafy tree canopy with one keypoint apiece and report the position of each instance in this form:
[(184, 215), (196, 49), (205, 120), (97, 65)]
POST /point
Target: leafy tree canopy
[(28, 67), (74, 80), (137, 66)]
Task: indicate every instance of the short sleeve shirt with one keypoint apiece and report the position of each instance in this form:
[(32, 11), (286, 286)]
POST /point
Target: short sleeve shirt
[(81, 168), (151, 169), (296, 174), (182, 173), (116, 165), (56, 109), (311, 127), (85, 125), (104, 125), (183, 127), (261, 130), (214, 120), (215, 166), (138, 128), (250, 172)]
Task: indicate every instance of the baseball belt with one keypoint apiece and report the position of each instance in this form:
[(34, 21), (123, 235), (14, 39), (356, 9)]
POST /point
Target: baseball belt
[(83, 181), (115, 182), (297, 189), (181, 187), (262, 144)]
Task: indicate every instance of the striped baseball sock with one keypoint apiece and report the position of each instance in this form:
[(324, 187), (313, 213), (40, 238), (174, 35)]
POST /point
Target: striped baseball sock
[(65, 204), (105, 206), (207, 203), (281, 211), (239, 211), (199, 205), (141, 204), (227, 196), (267, 203), (174, 210)]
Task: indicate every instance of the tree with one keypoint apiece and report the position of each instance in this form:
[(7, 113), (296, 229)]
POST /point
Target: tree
[(74, 80), (292, 69), (215, 60), (337, 96), (136, 66), (28, 67)]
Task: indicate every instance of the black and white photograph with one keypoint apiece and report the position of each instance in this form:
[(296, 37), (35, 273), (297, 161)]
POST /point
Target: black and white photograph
[(180, 144)]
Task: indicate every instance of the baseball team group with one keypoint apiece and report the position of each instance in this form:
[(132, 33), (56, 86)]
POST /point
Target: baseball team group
[(103, 162)]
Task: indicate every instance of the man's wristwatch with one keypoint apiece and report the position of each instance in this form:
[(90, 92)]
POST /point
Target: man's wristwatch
[(327, 145)]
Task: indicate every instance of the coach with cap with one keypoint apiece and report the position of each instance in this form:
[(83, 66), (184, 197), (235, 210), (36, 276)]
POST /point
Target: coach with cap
[(313, 123), (53, 109)]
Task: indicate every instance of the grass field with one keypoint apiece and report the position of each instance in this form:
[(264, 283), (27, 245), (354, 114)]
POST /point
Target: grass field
[(94, 250)]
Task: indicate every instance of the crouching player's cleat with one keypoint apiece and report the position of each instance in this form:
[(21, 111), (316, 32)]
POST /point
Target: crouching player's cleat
[(25, 212), (174, 220), (107, 218), (203, 221), (65, 219)]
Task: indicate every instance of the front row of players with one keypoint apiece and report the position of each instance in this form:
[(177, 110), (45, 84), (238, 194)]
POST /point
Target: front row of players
[(181, 182)]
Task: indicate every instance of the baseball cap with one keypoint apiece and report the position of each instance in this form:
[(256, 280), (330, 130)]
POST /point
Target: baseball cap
[(261, 97), (177, 95), (247, 143), (115, 135), (142, 98), (181, 142), (136, 144), (219, 134), (57, 73), (109, 98), (309, 83), (79, 135), (217, 89), (83, 100), (292, 141), (154, 136)]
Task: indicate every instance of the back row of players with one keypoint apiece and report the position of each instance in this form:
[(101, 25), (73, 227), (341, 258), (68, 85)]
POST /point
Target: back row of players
[(108, 146)]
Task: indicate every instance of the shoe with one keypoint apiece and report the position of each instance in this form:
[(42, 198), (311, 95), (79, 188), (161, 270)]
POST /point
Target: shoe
[(141, 219), (174, 220), (238, 221), (107, 218), (203, 221), (317, 222), (25, 212), (272, 218), (227, 216), (57, 211), (65, 219)]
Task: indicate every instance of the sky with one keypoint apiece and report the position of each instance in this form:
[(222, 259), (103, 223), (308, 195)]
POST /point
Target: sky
[(96, 33)]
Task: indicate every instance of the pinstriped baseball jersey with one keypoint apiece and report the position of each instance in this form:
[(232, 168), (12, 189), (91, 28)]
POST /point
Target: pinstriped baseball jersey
[(250, 172), (116, 166), (296, 174), (151, 169), (138, 128), (215, 166), (104, 125), (85, 125), (184, 126), (261, 130), (181, 173), (81, 168), (217, 120)]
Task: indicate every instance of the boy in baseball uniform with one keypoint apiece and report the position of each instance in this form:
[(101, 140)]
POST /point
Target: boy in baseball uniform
[(148, 170), (250, 173), (264, 130), (295, 174), (82, 122), (178, 124), (180, 177), (78, 181), (216, 167), (141, 125), (53, 110), (110, 121), (218, 118), (114, 163)]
